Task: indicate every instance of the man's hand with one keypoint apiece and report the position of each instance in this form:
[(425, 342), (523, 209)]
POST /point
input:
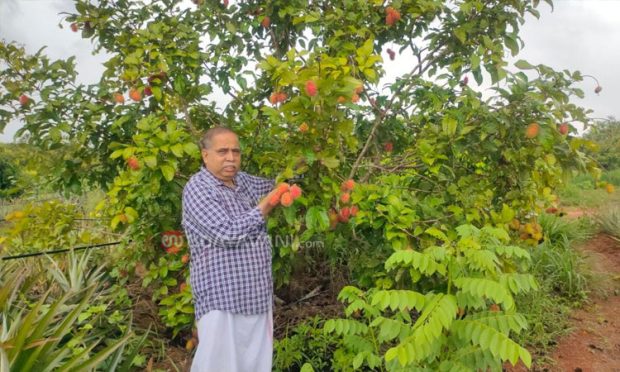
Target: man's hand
[(270, 201)]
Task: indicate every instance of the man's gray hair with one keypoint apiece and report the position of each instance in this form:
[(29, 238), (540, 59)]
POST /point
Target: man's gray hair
[(207, 138)]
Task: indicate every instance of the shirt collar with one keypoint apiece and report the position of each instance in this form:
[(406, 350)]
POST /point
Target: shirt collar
[(214, 180)]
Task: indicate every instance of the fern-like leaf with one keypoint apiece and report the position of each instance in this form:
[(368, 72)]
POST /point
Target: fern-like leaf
[(488, 338), (402, 300), (486, 288)]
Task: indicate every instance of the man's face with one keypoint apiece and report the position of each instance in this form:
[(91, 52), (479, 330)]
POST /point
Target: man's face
[(223, 158)]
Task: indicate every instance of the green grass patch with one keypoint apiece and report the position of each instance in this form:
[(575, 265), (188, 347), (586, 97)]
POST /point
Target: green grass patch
[(608, 220), (564, 282), (581, 191)]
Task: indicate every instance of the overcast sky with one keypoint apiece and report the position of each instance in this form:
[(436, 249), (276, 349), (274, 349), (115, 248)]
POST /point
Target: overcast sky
[(578, 35)]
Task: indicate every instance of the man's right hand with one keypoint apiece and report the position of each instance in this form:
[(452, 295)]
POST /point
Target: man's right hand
[(270, 201)]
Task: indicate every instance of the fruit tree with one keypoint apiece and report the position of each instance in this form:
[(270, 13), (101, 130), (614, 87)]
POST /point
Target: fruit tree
[(421, 175)]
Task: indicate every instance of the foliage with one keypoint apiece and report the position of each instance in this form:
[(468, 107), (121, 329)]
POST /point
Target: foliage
[(585, 191), (8, 175), (306, 344), (51, 324), (174, 293), (32, 168), (609, 221), (563, 279), (429, 152), (563, 231), (606, 134), (465, 322), (548, 318), (52, 224)]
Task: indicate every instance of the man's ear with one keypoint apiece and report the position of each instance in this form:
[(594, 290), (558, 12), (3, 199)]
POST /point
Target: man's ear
[(204, 154)]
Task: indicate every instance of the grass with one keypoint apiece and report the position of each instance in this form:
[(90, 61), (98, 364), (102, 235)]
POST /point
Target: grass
[(581, 192), (609, 221), (564, 282)]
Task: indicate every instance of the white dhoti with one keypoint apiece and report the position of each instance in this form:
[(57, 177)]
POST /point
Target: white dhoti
[(234, 343)]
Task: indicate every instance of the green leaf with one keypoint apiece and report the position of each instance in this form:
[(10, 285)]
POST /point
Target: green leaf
[(330, 162), (461, 35), (191, 149), (448, 125), (177, 150), (150, 161), (156, 92), (117, 154), (168, 172), (317, 219), (436, 233), (524, 65)]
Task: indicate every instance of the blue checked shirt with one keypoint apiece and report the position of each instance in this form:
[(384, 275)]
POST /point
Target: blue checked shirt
[(229, 246)]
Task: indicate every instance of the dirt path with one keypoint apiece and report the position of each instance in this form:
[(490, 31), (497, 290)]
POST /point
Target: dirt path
[(594, 344)]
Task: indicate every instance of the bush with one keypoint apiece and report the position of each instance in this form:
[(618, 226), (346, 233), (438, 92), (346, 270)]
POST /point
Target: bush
[(612, 176), (606, 134), (609, 221), (306, 344), (51, 322), (8, 179)]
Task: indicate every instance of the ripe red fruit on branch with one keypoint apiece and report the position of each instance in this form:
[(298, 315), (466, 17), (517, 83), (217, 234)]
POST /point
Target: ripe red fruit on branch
[(345, 198), (563, 129), (392, 16), (311, 88), (132, 162), (135, 94), (343, 215), (185, 259), (273, 98), (295, 191), (283, 187), (275, 199), (74, 27), (359, 89), (348, 185), (388, 146), (286, 199), (341, 99), (119, 98), (24, 100), (148, 91), (354, 209), (465, 81), (355, 98), (266, 22), (391, 53), (303, 128), (532, 130), (277, 97)]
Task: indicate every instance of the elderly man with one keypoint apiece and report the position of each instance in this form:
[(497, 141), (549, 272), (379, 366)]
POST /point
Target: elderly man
[(224, 212)]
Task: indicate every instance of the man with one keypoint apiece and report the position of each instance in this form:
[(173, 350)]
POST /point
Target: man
[(224, 212)]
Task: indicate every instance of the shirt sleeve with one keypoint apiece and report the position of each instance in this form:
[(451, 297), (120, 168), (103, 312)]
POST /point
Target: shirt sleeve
[(261, 186), (206, 216)]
